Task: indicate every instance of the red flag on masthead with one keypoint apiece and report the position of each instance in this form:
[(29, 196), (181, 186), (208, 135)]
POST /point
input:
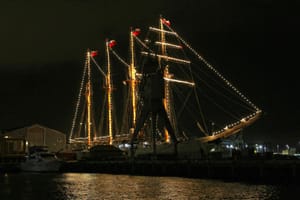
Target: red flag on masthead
[(112, 43), (136, 32), (166, 22), (94, 53)]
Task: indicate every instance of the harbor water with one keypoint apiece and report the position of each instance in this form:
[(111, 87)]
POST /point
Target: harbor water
[(95, 186)]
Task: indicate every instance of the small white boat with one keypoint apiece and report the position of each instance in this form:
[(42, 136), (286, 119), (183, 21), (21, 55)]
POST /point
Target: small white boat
[(40, 159)]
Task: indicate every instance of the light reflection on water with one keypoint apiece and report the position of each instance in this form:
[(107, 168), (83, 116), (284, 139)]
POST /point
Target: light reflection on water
[(70, 186)]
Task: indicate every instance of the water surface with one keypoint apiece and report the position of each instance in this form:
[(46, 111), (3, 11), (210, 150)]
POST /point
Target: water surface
[(92, 186)]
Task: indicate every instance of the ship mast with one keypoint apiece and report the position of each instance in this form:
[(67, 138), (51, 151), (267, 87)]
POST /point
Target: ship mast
[(109, 94), (166, 75), (87, 118), (88, 100), (132, 79)]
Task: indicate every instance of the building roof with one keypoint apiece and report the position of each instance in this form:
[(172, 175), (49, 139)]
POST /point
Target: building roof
[(32, 126)]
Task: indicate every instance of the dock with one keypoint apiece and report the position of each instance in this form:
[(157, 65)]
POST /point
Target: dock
[(284, 169), (233, 170)]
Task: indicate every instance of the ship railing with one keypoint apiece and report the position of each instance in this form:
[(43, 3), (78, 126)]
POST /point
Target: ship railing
[(232, 129)]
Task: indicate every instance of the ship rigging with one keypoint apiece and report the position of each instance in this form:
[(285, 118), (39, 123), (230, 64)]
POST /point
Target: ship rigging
[(200, 102)]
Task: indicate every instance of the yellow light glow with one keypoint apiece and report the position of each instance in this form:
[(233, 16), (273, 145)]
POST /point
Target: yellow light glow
[(169, 45), (162, 31), (109, 100), (179, 81), (167, 58), (166, 75), (88, 98), (132, 72)]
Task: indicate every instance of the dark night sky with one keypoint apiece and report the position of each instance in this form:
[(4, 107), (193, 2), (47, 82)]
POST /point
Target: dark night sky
[(254, 43)]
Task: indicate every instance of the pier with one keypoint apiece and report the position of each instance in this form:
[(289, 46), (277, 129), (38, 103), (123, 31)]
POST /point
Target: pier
[(251, 169), (233, 170)]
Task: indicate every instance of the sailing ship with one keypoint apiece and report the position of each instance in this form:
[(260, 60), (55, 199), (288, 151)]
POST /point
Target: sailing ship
[(202, 105)]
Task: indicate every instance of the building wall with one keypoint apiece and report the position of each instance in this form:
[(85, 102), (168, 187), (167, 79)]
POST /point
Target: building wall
[(37, 135), (55, 140), (17, 133), (9, 147)]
